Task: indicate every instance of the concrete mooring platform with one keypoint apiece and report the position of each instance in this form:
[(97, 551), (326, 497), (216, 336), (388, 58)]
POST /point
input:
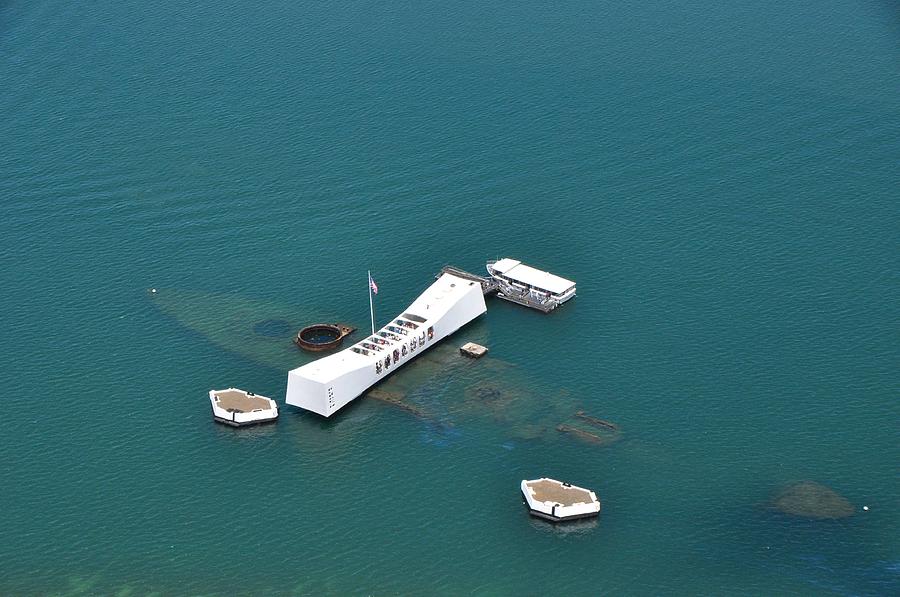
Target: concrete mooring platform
[(239, 408), (475, 351), (558, 501)]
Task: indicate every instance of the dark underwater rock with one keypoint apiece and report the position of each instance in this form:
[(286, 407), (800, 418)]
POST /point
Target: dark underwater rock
[(812, 500)]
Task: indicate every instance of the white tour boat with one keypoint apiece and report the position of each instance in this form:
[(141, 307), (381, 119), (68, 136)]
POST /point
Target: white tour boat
[(528, 286), (324, 386)]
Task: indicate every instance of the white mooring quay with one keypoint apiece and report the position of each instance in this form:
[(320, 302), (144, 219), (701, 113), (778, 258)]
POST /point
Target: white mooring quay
[(528, 286), (558, 501), (239, 408), (326, 385)]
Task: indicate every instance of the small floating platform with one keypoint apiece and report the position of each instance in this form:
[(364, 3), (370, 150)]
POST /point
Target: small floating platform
[(475, 351), (558, 501), (239, 408)]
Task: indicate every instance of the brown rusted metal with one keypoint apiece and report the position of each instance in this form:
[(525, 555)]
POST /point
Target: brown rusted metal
[(581, 434), (596, 422), (588, 436), (396, 399), (322, 336)]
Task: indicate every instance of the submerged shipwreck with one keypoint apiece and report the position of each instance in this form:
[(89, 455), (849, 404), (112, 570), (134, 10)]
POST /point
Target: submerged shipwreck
[(452, 301), (322, 336), (442, 389)]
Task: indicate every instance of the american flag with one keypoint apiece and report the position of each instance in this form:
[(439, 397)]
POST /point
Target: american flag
[(373, 285)]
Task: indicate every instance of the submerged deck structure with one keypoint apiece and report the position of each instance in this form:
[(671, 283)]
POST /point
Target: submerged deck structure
[(326, 385)]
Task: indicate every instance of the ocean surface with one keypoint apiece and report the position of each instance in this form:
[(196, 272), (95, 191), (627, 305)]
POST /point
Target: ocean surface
[(722, 180)]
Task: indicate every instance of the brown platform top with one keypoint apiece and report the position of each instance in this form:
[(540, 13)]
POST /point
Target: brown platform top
[(239, 401), (554, 491)]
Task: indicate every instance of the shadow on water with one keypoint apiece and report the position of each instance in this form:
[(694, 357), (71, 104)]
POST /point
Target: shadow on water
[(249, 433), (569, 528)]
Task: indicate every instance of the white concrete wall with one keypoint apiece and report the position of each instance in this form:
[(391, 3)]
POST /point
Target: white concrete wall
[(306, 393), (464, 310), (561, 511), (352, 383), (266, 413)]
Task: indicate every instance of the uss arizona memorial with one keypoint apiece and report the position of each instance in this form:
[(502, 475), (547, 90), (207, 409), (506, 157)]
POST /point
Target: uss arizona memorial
[(326, 385), (329, 383)]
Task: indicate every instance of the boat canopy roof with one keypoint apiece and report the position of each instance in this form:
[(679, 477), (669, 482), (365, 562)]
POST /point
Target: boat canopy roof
[(519, 272)]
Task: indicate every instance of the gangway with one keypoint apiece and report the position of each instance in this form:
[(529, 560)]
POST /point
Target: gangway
[(517, 283), (489, 286)]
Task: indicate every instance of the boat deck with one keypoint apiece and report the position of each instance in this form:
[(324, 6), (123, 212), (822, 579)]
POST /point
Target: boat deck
[(523, 299), (491, 287), (546, 490), (239, 401)]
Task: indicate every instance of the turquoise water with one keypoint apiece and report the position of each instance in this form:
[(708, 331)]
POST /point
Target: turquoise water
[(721, 179)]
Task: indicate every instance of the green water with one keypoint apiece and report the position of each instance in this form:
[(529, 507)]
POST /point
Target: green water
[(720, 180)]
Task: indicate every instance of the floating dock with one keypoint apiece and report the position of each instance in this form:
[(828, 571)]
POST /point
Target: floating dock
[(238, 408), (489, 286), (558, 501), (528, 286), (513, 281)]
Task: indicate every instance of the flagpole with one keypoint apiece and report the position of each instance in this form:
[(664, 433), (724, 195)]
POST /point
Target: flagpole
[(371, 305)]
